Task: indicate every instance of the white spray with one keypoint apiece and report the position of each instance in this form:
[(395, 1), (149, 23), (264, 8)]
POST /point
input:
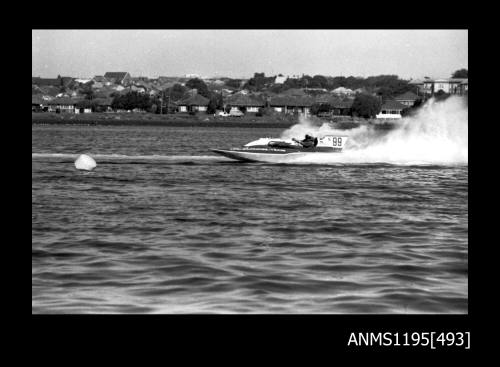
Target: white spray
[(437, 134)]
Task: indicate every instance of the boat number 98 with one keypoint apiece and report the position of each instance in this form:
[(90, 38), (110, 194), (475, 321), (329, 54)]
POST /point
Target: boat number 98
[(337, 142)]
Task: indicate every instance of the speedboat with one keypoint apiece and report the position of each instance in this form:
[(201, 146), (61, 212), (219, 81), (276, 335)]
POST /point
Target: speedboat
[(273, 150)]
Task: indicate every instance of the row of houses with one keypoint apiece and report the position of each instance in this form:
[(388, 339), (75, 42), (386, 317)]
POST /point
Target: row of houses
[(301, 104), (69, 105), (197, 103), (286, 104)]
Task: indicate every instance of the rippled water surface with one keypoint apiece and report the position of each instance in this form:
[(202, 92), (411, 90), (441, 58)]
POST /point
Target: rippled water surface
[(163, 225)]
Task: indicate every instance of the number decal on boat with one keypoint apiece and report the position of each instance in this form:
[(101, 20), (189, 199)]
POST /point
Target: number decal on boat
[(334, 142), (340, 141)]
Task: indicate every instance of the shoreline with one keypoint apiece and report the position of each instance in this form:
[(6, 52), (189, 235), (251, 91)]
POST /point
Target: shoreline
[(115, 119)]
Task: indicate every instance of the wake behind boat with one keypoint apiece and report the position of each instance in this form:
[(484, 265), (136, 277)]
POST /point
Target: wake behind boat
[(273, 150)]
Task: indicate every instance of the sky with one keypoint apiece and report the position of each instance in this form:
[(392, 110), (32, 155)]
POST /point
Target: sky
[(241, 53)]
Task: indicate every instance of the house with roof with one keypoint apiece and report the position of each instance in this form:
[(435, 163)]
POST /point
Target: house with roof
[(49, 90), (244, 102), (419, 85), (408, 99), (37, 103), (291, 104), (193, 103), (391, 109), (102, 80), (342, 107), (63, 105), (120, 77), (336, 106)]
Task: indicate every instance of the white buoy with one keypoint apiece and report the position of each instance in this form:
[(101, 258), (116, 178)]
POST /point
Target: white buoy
[(85, 162)]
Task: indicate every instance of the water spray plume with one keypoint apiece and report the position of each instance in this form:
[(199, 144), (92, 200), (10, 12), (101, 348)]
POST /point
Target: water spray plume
[(437, 134)]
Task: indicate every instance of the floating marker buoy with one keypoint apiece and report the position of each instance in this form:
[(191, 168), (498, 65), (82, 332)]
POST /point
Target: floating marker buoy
[(85, 162)]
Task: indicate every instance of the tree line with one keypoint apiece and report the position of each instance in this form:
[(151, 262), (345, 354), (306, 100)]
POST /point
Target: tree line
[(377, 89), (382, 85)]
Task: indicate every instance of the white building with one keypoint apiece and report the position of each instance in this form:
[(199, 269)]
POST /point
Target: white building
[(343, 91), (447, 85), (280, 79)]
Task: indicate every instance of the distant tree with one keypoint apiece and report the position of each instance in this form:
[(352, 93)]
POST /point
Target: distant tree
[(212, 104), (233, 83), (462, 73), (278, 88), (319, 81), (175, 93), (259, 82), (87, 91), (366, 105), (131, 101), (86, 103), (306, 81), (199, 85), (219, 101)]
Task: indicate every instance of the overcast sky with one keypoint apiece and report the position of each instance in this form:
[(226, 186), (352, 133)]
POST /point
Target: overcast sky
[(240, 53)]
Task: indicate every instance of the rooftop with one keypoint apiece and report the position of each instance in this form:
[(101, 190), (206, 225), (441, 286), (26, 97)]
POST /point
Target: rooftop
[(408, 96), (244, 100), (393, 105), (196, 100)]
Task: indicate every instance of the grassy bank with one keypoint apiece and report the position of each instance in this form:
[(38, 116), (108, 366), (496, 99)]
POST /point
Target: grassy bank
[(148, 119)]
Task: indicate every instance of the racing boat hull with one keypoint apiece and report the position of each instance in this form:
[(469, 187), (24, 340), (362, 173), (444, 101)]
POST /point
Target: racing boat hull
[(268, 156), (270, 150)]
